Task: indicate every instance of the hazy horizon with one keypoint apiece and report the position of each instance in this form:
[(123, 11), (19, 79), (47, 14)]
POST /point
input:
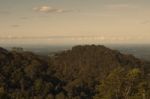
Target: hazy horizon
[(74, 21)]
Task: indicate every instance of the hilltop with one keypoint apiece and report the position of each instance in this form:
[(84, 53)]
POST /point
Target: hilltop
[(83, 72)]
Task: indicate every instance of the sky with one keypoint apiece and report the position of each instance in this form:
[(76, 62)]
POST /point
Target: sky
[(74, 21)]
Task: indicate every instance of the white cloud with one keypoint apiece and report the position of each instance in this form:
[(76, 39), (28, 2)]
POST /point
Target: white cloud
[(49, 9)]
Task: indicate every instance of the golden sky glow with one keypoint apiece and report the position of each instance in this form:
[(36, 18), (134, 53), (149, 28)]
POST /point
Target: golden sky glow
[(111, 21)]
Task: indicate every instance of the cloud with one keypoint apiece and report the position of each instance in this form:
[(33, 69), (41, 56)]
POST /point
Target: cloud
[(4, 12), (24, 18), (15, 25), (145, 22), (120, 6), (49, 9)]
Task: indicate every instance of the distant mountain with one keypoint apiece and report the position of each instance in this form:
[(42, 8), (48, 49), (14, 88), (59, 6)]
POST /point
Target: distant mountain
[(82, 59), (90, 63), (71, 74)]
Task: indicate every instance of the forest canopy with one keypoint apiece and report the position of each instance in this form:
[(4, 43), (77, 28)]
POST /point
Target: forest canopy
[(83, 72)]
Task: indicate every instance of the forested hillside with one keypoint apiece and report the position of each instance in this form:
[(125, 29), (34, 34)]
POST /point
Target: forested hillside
[(84, 72)]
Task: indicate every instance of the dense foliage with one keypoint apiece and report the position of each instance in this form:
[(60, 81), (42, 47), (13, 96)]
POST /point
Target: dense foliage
[(84, 72)]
